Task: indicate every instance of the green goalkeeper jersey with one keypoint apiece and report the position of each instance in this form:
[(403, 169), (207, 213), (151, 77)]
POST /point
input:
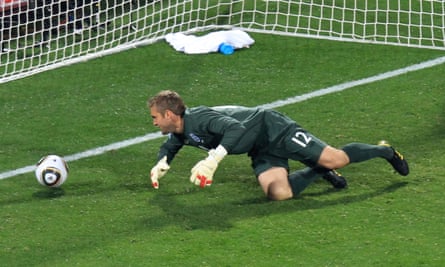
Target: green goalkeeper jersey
[(238, 129)]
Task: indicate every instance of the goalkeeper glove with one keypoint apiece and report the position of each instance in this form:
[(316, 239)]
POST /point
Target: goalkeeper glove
[(159, 170), (202, 172)]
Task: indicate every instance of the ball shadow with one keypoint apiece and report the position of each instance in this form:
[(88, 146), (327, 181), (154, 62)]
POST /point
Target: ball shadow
[(49, 193)]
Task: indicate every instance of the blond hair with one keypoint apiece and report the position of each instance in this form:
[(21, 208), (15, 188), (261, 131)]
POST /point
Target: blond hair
[(167, 100)]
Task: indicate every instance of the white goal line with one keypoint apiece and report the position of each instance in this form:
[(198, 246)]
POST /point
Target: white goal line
[(279, 103)]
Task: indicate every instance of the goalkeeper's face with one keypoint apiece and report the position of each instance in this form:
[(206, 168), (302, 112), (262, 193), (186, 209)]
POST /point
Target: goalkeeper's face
[(167, 122)]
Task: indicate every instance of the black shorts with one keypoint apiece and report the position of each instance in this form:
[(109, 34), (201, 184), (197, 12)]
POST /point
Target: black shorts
[(295, 144)]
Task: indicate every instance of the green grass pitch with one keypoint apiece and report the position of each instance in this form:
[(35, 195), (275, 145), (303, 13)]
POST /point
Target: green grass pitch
[(107, 214)]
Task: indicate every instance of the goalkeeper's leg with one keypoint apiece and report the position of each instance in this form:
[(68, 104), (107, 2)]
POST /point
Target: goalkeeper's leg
[(333, 158), (358, 152), (301, 179), (275, 184)]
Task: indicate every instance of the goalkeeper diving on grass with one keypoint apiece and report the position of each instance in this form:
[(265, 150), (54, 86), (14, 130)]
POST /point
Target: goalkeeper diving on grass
[(268, 137)]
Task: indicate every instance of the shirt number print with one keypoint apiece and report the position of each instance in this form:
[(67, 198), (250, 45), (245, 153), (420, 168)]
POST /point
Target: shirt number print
[(301, 139)]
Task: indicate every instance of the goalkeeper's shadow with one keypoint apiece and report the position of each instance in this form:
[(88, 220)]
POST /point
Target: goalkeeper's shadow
[(221, 215)]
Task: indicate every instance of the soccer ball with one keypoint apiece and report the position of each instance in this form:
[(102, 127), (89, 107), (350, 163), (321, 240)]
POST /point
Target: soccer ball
[(51, 171)]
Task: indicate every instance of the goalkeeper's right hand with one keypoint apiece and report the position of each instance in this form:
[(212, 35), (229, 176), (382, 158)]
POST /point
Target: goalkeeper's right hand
[(159, 170)]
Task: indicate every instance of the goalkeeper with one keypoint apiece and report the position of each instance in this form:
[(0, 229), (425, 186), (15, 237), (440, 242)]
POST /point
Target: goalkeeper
[(269, 138)]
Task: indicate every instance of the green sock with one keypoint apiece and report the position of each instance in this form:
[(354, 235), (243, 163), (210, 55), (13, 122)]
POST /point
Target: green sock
[(358, 152), (301, 179)]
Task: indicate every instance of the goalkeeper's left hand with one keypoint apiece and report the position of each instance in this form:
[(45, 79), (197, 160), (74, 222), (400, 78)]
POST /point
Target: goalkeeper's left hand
[(202, 172)]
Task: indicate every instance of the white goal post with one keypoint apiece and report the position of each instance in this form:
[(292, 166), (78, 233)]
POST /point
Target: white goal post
[(39, 35)]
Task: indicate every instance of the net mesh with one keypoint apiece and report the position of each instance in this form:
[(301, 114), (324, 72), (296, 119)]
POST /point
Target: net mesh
[(38, 35)]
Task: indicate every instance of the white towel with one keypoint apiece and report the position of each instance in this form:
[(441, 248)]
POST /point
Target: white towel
[(208, 43)]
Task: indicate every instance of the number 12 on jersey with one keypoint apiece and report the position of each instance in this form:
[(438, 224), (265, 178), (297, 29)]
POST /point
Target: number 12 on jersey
[(301, 139)]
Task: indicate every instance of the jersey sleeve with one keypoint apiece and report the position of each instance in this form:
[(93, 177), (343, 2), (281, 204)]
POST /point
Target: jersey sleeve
[(170, 147)]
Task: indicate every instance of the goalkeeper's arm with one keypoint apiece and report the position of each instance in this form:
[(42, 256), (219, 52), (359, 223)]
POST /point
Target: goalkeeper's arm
[(166, 154), (159, 170)]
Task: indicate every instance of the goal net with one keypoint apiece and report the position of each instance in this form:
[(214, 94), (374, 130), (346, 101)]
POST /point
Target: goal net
[(38, 35)]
